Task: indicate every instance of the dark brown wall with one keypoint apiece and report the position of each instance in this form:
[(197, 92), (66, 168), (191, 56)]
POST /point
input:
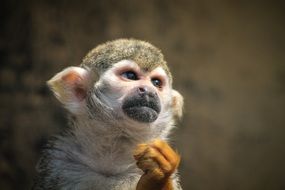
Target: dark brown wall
[(227, 58)]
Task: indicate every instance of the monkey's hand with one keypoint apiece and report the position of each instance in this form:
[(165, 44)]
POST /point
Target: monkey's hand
[(158, 161)]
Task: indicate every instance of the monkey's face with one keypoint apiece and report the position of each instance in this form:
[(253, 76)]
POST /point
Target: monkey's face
[(123, 93), (139, 94), (141, 101)]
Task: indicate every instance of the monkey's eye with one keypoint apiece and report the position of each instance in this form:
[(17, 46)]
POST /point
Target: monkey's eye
[(130, 75), (156, 82)]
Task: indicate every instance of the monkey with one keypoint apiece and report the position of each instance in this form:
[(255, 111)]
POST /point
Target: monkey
[(121, 108)]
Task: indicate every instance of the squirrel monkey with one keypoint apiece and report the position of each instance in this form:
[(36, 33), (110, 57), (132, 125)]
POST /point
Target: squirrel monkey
[(122, 107)]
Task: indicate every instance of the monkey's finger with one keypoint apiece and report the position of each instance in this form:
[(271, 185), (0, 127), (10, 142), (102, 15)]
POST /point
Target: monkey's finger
[(157, 157), (140, 151), (170, 155), (146, 164), (151, 169)]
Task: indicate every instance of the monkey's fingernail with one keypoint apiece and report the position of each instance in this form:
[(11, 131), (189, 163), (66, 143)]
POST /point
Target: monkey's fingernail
[(140, 151), (137, 154)]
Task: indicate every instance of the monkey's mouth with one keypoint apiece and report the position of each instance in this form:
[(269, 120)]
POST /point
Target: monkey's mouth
[(142, 109)]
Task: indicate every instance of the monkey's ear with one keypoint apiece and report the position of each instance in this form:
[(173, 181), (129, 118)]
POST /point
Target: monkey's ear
[(177, 104), (70, 87)]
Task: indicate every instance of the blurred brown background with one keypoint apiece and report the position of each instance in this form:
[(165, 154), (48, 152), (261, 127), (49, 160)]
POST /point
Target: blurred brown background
[(228, 59)]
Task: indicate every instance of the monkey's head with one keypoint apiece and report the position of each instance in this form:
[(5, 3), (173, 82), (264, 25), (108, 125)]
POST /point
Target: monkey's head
[(122, 81)]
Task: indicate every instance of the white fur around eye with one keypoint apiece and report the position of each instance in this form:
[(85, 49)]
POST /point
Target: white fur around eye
[(160, 73), (126, 63), (118, 68)]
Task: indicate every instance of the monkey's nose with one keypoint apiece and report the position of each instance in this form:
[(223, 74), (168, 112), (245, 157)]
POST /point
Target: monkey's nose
[(142, 90)]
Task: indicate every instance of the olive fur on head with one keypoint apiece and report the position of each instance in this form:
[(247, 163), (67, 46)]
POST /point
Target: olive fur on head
[(143, 53)]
